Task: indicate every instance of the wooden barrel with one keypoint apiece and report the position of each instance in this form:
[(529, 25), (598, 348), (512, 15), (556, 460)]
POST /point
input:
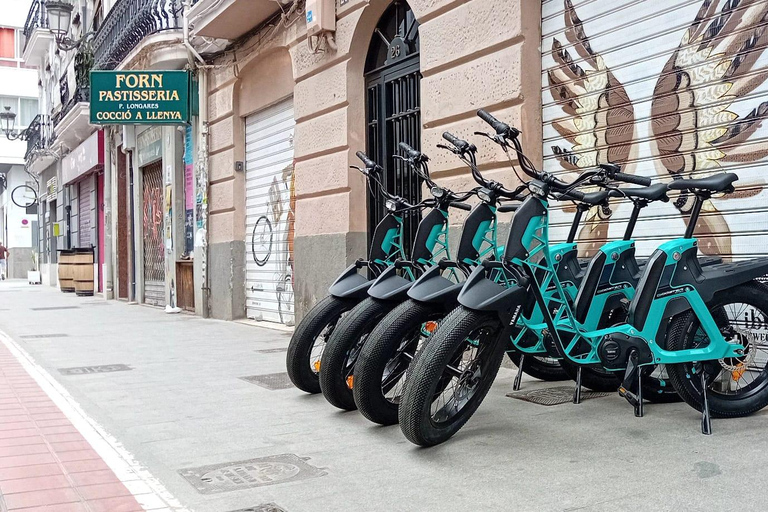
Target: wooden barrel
[(66, 280), (82, 272)]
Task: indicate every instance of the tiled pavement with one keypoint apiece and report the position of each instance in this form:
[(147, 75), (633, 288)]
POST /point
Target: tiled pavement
[(45, 463)]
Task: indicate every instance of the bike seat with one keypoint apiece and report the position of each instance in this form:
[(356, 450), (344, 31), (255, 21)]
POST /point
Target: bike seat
[(595, 198), (717, 183), (653, 193)]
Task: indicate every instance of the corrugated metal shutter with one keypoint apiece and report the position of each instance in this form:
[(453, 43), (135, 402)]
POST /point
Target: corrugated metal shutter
[(269, 214), (666, 89), (152, 226), (85, 188)]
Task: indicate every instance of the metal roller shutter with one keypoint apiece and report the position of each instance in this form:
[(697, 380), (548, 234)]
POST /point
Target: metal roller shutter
[(84, 212), (665, 89), (152, 226), (269, 214)]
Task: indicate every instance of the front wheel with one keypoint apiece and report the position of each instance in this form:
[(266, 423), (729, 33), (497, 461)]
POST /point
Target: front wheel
[(308, 342), (451, 376), (735, 386)]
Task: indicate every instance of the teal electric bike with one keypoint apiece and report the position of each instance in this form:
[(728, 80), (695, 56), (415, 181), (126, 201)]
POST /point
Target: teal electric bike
[(706, 325)]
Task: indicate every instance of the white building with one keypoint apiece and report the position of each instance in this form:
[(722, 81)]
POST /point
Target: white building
[(18, 90)]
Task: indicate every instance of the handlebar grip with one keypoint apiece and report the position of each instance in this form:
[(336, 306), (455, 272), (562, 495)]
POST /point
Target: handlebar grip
[(461, 206), (629, 178), (507, 208), (370, 164), (501, 128), (461, 145), (414, 155)]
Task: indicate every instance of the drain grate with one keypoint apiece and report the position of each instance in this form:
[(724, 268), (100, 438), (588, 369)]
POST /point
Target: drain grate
[(271, 381), (88, 370), (42, 336), (247, 474), (553, 396), (265, 507), (272, 350), (54, 308)]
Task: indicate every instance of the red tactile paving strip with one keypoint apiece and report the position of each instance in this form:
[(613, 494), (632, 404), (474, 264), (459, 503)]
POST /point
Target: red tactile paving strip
[(45, 464)]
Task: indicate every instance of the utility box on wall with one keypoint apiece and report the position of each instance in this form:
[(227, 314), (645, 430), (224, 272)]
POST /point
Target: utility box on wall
[(321, 16)]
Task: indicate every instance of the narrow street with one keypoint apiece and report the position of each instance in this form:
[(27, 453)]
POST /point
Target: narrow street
[(172, 402)]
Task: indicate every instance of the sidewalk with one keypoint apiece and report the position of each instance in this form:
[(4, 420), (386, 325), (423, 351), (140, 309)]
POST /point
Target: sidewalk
[(169, 393)]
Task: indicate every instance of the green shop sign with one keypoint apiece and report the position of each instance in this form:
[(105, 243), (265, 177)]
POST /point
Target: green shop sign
[(141, 97)]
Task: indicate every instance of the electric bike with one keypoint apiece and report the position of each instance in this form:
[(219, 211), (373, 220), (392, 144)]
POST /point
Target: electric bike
[(351, 288), (390, 289), (689, 318)]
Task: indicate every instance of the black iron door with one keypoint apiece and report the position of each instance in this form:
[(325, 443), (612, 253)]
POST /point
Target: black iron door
[(393, 110)]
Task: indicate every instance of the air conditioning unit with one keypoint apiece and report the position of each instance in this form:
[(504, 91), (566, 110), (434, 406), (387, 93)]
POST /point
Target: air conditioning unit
[(321, 16)]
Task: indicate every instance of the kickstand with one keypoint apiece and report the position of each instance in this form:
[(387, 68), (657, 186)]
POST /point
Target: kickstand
[(519, 376), (632, 385), (706, 420), (577, 391)]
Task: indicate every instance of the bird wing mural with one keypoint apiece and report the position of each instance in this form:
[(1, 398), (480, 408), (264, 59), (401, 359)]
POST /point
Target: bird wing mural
[(598, 120), (694, 132)]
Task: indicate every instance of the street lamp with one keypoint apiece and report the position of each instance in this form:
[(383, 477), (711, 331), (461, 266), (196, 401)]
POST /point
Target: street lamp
[(8, 122), (59, 22)]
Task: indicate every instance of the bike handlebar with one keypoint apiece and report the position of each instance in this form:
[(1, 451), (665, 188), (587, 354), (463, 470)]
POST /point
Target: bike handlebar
[(462, 145), (635, 180), (369, 164), (500, 128), (416, 156), (461, 206)]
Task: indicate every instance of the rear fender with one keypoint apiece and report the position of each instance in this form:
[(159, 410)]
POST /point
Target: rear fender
[(481, 294), (433, 287), (390, 286), (350, 285)]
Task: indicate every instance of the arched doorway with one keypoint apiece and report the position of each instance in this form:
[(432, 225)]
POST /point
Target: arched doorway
[(393, 107)]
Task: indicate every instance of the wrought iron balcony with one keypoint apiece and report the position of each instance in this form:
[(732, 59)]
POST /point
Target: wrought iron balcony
[(128, 23), (82, 93), (37, 135), (36, 18)]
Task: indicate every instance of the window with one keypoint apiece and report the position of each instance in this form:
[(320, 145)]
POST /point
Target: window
[(7, 43), (24, 108)]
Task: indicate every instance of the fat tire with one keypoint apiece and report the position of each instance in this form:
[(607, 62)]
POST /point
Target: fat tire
[(381, 347), (414, 413), (360, 321), (538, 369), (682, 380), (325, 312)]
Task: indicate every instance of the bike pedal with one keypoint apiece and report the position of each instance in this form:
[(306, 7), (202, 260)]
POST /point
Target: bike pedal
[(629, 396)]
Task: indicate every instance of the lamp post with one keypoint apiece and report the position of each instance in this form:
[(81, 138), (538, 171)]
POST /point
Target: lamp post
[(7, 123), (59, 14)]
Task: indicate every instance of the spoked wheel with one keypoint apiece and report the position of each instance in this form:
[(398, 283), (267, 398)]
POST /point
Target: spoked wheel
[(735, 386), (381, 369), (539, 366), (343, 348), (451, 376), (309, 339)]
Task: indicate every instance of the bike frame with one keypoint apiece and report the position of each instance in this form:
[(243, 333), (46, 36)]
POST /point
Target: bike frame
[(535, 260)]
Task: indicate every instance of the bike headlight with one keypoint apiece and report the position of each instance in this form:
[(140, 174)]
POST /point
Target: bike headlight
[(437, 192), (390, 205), (485, 195)]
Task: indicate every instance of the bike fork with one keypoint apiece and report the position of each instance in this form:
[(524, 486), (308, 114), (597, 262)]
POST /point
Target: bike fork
[(632, 385), (519, 376)]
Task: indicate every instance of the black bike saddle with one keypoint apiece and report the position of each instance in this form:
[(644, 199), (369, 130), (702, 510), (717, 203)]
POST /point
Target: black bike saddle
[(595, 198), (717, 183), (653, 193)]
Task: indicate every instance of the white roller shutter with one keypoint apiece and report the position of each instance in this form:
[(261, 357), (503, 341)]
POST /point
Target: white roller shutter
[(269, 215), (85, 189), (665, 89)]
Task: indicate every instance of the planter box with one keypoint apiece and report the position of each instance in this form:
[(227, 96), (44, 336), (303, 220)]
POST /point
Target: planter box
[(34, 277)]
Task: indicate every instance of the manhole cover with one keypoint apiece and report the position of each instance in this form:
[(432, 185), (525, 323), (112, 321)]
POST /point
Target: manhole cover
[(553, 396), (272, 350), (273, 381), (41, 336), (86, 370), (266, 507), (246, 474), (54, 308)]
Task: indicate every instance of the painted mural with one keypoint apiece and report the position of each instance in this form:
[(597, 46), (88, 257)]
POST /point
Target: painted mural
[(666, 90)]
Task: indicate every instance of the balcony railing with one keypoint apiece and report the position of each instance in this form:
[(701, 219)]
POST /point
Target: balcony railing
[(37, 18), (37, 135), (83, 65), (128, 23)]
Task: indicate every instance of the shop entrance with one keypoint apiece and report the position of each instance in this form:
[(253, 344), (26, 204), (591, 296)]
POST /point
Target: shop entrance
[(393, 108), (152, 224)]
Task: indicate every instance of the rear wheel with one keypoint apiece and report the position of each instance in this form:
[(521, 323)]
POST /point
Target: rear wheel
[(380, 371), (309, 339), (451, 376), (343, 348), (735, 386)]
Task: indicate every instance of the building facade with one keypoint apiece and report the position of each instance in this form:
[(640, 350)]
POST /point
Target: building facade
[(250, 210)]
